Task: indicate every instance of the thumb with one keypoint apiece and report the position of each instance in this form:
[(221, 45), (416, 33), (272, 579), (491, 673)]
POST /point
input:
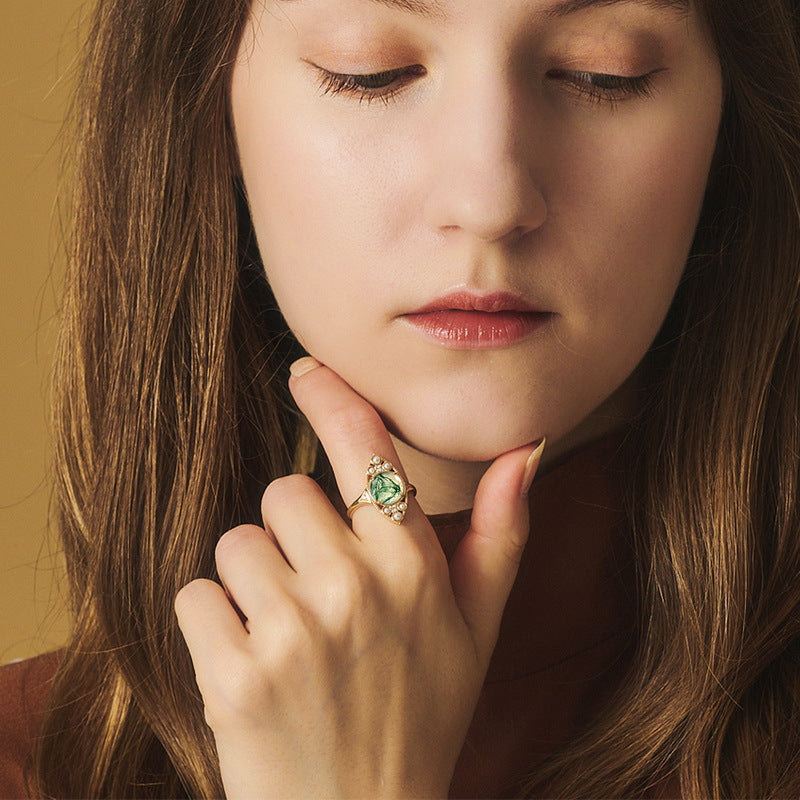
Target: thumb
[(485, 563)]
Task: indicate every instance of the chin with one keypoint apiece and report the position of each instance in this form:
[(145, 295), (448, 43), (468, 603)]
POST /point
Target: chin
[(477, 442)]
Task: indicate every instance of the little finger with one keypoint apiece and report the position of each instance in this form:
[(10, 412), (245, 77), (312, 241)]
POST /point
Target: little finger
[(208, 622)]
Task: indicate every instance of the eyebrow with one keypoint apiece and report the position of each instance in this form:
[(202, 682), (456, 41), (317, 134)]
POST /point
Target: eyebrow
[(563, 8), (566, 7)]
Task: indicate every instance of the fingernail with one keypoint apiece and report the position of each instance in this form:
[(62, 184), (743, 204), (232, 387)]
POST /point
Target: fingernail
[(530, 466), (303, 365)]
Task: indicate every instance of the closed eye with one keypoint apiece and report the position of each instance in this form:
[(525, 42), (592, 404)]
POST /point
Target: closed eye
[(373, 86), (601, 87), (597, 87)]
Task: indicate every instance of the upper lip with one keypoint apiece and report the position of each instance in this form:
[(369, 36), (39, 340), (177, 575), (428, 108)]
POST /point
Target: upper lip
[(468, 301)]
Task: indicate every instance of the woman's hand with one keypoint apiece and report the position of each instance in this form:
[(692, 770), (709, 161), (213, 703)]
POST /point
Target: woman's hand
[(363, 655)]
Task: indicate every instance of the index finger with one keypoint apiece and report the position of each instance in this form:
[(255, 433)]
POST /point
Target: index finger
[(352, 432)]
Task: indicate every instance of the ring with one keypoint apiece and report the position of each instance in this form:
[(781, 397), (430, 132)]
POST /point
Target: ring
[(386, 490)]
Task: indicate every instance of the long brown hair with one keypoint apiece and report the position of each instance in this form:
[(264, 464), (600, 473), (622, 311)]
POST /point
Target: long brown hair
[(713, 697), (171, 415)]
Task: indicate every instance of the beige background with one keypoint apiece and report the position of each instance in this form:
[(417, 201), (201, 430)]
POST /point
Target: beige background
[(38, 43)]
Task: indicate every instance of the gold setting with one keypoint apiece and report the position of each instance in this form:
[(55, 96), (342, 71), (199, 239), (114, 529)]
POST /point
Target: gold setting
[(389, 493)]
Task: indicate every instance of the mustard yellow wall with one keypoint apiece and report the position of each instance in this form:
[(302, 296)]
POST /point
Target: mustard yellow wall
[(38, 43)]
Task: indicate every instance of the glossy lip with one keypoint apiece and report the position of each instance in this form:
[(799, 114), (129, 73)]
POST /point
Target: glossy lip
[(464, 320), (468, 301)]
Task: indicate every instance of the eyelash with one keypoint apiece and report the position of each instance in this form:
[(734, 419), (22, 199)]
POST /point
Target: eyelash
[(354, 85)]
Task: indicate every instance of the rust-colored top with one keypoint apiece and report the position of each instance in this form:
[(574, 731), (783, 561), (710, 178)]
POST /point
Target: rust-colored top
[(567, 630), (23, 688), (563, 647)]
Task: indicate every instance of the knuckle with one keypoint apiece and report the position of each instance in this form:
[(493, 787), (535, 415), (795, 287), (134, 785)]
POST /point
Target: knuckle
[(347, 594), (232, 697), (512, 548), (419, 577), (250, 680), (292, 640), (191, 595), (414, 564), (287, 629), (288, 488), (236, 540)]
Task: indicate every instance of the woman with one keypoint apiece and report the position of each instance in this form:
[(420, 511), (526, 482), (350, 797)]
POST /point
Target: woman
[(614, 186)]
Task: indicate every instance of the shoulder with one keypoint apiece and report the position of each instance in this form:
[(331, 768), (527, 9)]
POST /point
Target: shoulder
[(23, 691)]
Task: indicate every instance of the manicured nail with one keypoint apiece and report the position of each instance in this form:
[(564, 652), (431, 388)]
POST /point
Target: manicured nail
[(530, 466), (303, 365)]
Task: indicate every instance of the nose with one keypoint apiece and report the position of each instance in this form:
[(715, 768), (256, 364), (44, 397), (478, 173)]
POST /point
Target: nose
[(481, 179)]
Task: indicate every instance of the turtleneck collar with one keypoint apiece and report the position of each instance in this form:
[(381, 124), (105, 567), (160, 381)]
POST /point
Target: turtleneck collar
[(565, 638)]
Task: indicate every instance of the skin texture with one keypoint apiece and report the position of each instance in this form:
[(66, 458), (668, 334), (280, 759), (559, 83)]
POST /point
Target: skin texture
[(487, 170)]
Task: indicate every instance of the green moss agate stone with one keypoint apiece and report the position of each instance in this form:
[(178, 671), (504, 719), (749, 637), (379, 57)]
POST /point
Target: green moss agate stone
[(386, 488)]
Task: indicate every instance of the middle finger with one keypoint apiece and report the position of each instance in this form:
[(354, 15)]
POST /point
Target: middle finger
[(303, 521)]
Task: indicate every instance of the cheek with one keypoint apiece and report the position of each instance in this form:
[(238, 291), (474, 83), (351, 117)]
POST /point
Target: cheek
[(318, 210), (642, 201)]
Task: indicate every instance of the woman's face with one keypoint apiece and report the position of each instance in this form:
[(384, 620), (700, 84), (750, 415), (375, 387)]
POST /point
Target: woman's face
[(482, 163)]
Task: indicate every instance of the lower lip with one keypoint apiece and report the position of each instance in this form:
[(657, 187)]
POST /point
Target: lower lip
[(477, 330)]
